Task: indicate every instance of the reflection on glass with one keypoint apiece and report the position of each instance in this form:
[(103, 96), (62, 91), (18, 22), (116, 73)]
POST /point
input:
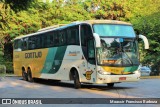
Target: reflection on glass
[(118, 52)]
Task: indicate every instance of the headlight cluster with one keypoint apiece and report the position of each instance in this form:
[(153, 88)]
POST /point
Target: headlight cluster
[(103, 72)]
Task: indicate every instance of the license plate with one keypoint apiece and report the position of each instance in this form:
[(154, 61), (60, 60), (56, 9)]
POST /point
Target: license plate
[(122, 78)]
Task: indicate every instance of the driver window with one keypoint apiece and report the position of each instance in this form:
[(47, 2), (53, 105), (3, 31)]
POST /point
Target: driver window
[(91, 53)]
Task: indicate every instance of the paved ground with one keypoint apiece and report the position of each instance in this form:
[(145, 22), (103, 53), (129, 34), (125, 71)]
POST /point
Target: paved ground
[(15, 87)]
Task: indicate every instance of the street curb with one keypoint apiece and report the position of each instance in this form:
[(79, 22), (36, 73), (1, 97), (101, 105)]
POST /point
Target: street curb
[(150, 77)]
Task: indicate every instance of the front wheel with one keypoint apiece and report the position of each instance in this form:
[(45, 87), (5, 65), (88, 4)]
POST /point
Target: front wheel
[(110, 85), (77, 83)]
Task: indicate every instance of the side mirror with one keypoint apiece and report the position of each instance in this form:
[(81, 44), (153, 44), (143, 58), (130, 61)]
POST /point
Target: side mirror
[(145, 40), (97, 40)]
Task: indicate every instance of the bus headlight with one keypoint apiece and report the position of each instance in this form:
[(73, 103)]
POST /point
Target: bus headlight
[(103, 72)]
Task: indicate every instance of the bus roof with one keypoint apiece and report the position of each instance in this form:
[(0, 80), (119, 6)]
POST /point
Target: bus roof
[(56, 27), (107, 22)]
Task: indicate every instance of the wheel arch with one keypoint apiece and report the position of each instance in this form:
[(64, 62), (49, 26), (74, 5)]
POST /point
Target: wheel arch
[(72, 72), (24, 69), (30, 68)]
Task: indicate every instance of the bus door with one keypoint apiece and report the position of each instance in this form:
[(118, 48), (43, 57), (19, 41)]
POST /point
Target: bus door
[(88, 48)]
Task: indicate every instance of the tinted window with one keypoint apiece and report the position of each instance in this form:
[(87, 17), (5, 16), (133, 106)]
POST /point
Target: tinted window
[(62, 37), (32, 42), (91, 53), (73, 35), (25, 44), (86, 32), (44, 40), (51, 38), (55, 39), (39, 42), (18, 44)]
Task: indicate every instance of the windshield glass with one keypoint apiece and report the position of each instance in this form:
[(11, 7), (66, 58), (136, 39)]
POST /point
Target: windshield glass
[(114, 30), (118, 52)]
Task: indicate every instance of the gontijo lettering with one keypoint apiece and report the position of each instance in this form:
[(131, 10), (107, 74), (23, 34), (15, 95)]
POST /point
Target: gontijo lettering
[(33, 55)]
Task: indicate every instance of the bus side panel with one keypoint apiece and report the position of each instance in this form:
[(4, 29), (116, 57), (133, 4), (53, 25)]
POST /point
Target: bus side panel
[(34, 59), (65, 59), (17, 63), (58, 63)]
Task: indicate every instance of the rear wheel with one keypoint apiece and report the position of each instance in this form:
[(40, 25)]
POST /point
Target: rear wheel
[(110, 85), (24, 75), (77, 83), (29, 73)]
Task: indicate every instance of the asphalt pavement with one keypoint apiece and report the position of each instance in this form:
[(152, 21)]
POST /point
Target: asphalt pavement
[(15, 87)]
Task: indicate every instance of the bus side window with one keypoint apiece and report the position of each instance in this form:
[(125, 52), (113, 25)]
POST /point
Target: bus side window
[(51, 42), (91, 53), (25, 44), (39, 42), (18, 45), (73, 35), (62, 37), (86, 32), (15, 44), (56, 38), (44, 40), (32, 42)]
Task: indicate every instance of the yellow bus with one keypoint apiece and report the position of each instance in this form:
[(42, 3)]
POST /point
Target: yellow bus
[(92, 51)]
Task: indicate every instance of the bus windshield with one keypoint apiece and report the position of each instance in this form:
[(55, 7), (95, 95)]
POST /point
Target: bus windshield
[(118, 52), (114, 30)]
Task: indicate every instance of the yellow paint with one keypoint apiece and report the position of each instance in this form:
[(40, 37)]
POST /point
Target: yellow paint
[(115, 70), (36, 64), (88, 75)]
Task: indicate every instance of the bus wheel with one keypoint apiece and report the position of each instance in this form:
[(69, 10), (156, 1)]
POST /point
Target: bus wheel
[(77, 83), (110, 85), (24, 75), (29, 73)]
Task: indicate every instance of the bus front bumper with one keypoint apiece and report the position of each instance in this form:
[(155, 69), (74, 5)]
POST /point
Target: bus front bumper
[(117, 78)]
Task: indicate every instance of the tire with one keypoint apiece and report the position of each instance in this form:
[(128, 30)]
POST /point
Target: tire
[(110, 85), (77, 83), (29, 73), (24, 75)]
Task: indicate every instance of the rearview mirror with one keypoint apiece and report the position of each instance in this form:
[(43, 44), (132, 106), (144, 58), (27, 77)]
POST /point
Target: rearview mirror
[(145, 40)]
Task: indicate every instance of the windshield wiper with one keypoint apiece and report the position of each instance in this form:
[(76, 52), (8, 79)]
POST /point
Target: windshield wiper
[(127, 56)]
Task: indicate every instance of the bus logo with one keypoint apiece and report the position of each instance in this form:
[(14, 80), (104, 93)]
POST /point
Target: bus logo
[(74, 53), (88, 75), (33, 55)]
